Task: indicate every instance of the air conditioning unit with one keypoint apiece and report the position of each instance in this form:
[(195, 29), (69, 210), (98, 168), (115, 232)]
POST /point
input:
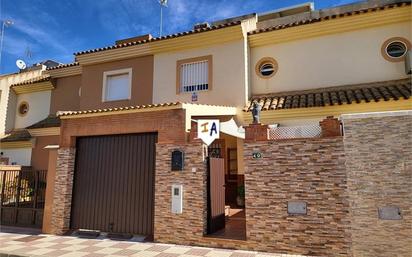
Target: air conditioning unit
[(408, 62)]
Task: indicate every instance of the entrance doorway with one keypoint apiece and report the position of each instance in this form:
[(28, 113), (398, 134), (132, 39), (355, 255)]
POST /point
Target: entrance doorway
[(226, 210)]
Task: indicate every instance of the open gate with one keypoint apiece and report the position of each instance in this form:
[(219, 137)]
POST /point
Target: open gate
[(22, 197), (216, 195)]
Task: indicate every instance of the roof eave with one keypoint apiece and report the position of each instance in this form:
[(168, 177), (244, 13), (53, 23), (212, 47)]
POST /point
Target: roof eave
[(186, 41), (330, 25)]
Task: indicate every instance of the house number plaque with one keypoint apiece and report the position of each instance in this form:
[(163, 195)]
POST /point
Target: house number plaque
[(256, 155)]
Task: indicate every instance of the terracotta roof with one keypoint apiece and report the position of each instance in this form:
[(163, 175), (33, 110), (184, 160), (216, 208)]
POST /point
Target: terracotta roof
[(331, 16), (136, 107), (180, 34), (63, 66), (17, 135), (368, 92), (41, 78), (49, 122)]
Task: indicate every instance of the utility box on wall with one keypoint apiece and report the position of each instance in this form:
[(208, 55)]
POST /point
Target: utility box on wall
[(177, 199), (389, 213), (178, 160), (297, 208)]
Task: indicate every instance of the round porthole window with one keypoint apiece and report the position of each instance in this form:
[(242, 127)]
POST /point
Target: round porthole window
[(23, 108), (394, 49), (266, 67)]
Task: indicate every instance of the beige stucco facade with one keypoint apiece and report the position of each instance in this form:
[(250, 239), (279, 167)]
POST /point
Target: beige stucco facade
[(8, 98), (39, 107), (228, 80), (331, 60)]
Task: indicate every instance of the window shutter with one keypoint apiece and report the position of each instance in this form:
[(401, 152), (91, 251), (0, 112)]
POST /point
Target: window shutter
[(117, 87)]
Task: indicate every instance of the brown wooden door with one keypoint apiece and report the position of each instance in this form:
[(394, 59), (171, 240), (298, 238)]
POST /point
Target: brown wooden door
[(114, 184), (216, 194)]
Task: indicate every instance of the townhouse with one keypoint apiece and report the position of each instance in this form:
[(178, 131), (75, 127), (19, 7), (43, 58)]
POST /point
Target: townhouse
[(121, 134), (21, 107)]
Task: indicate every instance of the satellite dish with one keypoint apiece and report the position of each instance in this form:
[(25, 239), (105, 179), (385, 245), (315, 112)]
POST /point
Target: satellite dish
[(21, 64)]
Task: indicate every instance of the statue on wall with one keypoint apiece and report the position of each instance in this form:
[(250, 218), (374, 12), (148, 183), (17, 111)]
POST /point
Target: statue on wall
[(256, 113)]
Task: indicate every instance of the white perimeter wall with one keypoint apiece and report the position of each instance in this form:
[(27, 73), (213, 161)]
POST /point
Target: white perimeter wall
[(18, 156)]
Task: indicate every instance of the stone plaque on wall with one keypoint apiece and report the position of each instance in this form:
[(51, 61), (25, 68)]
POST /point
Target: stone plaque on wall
[(297, 207), (389, 213)]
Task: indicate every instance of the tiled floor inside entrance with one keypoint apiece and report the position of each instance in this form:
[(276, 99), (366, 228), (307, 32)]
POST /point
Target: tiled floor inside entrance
[(235, 227), (18, 244)]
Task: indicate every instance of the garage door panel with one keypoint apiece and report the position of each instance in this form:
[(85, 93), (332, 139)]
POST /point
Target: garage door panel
[(114, 183)]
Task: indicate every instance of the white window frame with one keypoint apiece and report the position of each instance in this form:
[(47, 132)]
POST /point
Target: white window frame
[(117, 72)]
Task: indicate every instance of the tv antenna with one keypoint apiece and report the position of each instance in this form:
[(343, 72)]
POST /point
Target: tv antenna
[(29, 55), (21, 64), (163, 3)]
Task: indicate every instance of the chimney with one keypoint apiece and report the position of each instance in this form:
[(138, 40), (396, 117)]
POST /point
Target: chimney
[(134, 39), (203, 25)]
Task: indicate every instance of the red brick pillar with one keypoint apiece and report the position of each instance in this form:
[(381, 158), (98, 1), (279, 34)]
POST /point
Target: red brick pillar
[(193, 132), (256, 132), (330, 127)]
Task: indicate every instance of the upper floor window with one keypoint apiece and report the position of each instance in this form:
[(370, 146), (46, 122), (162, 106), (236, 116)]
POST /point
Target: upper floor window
[(266, 67), (194, 74), (117, 85), (394, 49), (23, 108)]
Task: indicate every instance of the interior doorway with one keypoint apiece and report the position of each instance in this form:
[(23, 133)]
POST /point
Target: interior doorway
[(226, 209)]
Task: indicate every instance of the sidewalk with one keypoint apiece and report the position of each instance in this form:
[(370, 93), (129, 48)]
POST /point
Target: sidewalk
[(67, 246)]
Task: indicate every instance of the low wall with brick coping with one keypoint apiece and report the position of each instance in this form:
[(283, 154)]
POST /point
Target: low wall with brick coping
[(309, 170), (378, 148), (343, 181)]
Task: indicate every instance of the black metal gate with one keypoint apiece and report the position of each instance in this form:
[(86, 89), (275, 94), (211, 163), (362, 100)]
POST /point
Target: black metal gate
[(22, 197)]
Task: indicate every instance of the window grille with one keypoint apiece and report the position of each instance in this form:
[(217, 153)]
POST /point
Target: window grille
[(194, 76)]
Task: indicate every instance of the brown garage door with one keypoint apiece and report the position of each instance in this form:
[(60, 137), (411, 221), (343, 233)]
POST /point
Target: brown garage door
[(114, 184)]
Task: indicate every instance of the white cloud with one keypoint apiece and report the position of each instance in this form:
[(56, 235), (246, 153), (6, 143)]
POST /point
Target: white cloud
[(40, 35)]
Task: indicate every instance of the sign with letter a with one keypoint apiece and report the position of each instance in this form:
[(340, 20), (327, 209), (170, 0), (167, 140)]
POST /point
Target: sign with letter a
[(208, 130)]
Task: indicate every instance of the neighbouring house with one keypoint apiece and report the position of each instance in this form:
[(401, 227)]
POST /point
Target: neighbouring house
[(25, 100), (326, 172)]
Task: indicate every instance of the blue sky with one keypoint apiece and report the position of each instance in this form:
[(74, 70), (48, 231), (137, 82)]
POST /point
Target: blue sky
[(55, 29)]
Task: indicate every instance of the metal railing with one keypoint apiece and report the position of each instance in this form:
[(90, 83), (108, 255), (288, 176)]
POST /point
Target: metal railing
[(22, 196)]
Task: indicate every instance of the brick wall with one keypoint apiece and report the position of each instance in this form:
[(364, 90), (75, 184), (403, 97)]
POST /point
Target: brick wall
[(379, 167), (189, 227), (191, 223), (310, 170), (63, 186), (170, 125)]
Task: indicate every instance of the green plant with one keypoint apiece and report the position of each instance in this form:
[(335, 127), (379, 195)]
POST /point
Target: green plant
[(241, 191)]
